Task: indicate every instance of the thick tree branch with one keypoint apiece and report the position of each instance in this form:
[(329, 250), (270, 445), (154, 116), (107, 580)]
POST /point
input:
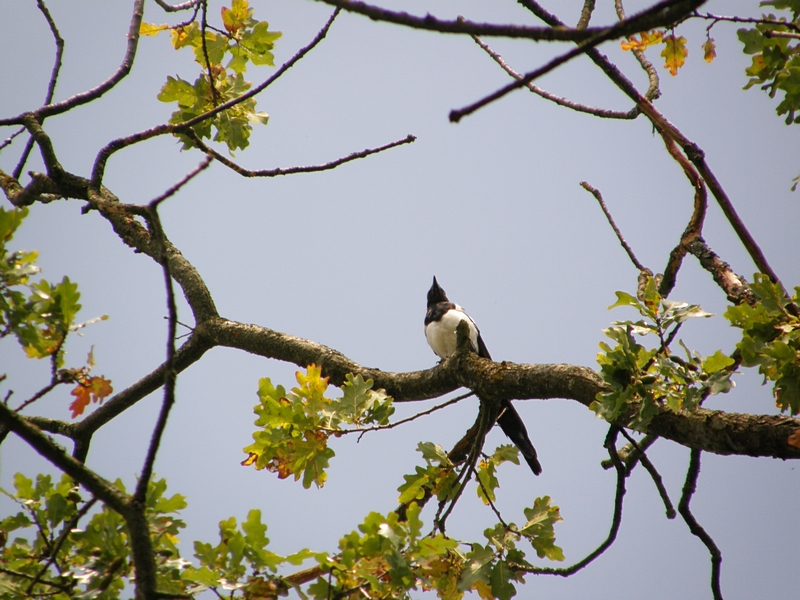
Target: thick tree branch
[(713, 431)]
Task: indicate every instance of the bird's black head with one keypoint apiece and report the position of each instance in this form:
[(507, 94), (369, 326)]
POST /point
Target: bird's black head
[(436, 294)]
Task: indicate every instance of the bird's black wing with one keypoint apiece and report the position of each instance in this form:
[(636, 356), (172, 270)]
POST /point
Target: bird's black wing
[(511, 424), (483, 352)]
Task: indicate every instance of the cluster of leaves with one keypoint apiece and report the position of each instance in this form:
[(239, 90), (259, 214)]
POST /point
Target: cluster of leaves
[(674, 52), (645, 381), (776, 59), (241, 561), (294, 426), (62, 561), (438, 476), (243, 40), (388, 557), (41, 314), (771, 339)]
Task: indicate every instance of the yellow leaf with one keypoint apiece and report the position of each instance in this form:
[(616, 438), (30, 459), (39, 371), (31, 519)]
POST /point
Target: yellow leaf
[(674, 53), (151, 29), (252, 457), (709, 50), (647, 38)]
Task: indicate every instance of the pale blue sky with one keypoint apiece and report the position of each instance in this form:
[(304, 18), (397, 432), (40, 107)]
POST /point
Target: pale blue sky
[(492, 206)]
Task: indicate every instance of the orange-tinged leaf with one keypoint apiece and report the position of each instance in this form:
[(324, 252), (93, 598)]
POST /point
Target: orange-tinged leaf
[(647, 38), (151, 28), (252, 457), (82, 398), (91, 389), (794, 439), (709, 50), (674, 53)]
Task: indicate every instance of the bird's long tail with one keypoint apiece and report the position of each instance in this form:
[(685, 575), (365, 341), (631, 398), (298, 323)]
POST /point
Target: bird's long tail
[(511, 424)]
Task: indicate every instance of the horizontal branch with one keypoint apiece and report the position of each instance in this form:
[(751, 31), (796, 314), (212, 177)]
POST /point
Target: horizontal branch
[(712, 431), (662, 14)]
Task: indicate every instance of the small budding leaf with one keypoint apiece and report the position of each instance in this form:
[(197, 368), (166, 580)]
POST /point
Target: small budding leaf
[(151, 28), (674, 53), (709, 50), (647, 38), (92, 389)]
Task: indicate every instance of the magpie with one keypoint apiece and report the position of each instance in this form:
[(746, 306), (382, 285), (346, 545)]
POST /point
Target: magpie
[(441, 322)]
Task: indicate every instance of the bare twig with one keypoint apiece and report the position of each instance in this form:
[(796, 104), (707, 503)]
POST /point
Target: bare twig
[(689, 488), (177, 7), (170, 373), (653, 91), (654, 474), (598, 112), (292, 170), (9, 139), (424, 413), (694, 228), (94, 93), (755, 21), (51, 86), (664, 9), (68, 527), (599, 197), (616, 520), (586, 14), (661, 14)]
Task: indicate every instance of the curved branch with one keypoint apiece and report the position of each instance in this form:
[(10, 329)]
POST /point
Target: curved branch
[(689, 488), (603, 113), (94, 93), (177, 7), (51, 85), (662, 14), (292, 170), (713, 431), (695, 226), (659, 15), (616, 520)]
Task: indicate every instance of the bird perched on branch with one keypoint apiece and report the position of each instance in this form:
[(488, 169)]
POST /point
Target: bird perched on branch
[(441, 322)]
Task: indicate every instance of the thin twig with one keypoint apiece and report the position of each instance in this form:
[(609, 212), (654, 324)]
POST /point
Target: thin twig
[(51, 85), (689, 488), (97, 91), (176, 7), (755, 21), (424, 413), (599, 197), (292, 170), (654, 474), (658, 15), (9, 139), (653, 91), (68, 527), (616, 520), (170, 373), (598, 112)]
